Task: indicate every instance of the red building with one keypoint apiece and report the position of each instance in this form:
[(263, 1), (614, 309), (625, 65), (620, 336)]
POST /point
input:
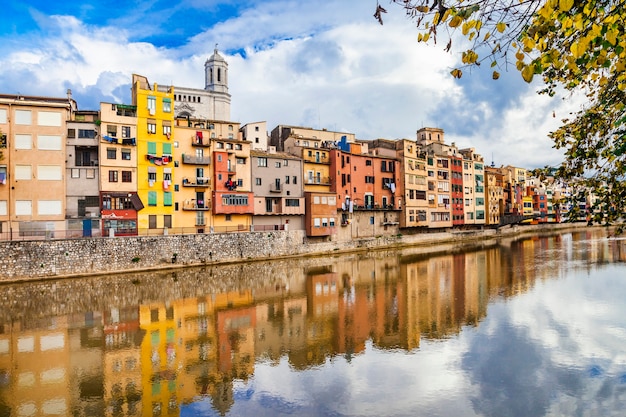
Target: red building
[(456, 190)]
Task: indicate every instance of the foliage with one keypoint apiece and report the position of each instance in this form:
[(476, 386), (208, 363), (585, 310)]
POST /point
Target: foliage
[(576, 45)]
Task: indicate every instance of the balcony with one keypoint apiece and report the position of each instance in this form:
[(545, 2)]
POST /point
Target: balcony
[(196, 160), (200, 141), (193, 205), (196, 182), (318, 181), (276, 188)]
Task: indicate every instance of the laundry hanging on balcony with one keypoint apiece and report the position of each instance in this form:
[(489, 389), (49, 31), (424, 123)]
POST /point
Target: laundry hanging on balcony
[(159, 160)]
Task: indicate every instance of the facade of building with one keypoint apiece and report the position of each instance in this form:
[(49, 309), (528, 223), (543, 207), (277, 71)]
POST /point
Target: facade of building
[(256, 134), (233, 201), (494, 194), (474, 186), (82, 174), (193, 175), (277, 189), (32, 172), (118, 168), (412, 167), (155, 129)]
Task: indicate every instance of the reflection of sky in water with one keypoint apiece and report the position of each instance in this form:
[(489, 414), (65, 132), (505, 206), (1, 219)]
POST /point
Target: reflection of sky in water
[(557, 350)]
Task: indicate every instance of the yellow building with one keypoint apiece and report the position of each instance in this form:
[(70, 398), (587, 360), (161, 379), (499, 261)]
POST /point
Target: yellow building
[(155, 129)]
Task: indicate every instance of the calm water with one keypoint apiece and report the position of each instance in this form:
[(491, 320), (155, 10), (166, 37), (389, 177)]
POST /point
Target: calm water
[(533, 327)]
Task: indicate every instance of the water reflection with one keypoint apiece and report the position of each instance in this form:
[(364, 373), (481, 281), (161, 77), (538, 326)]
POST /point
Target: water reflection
[(470, 331)]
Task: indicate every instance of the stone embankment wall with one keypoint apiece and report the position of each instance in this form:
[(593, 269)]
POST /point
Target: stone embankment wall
[(36, 260)]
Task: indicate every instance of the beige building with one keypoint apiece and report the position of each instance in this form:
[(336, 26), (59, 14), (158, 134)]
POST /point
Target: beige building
[(494, 194), (438, 172), (118, 167), (278, 191), (32, 173), (256, 134), (413, 173)]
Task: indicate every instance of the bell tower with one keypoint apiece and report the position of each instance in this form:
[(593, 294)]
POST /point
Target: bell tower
[(216, 73)]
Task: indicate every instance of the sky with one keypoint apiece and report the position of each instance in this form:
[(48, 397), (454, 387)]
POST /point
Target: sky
[(317, 63)]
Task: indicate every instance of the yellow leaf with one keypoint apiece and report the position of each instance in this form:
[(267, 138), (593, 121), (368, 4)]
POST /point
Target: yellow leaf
[(426, 36), (456, 73), (420, 37), (495, 75), (519, 55), (501, 26), (487, 36), (466, 28), (456, 21), (577, 49), (566, 5), (527, 73)]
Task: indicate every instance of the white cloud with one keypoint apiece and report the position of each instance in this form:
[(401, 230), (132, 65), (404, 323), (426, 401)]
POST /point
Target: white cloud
[(325, 66)]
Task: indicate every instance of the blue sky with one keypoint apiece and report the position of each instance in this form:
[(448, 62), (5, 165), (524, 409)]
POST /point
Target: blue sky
[(319, 63)]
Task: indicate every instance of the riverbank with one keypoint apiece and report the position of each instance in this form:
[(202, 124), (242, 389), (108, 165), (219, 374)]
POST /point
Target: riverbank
[(53, 259)]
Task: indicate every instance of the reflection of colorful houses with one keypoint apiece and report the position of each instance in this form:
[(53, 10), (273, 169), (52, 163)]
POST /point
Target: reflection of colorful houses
[(160, 359), (35, 370), (122, 361)]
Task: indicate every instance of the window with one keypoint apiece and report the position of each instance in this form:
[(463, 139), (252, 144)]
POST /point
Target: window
[(125, 131), (152, 104), (167, 222), (234, 200), (112, 130), (262, 162), (167, 198), (369, 179), (240, 161), (292, 202), (49, 173), (295, 179), (23, 117), (277, 164), (127, 176), (111, 153), (49, 142), (71, 133), (152, 148), (126, 154), (316, 222), (112, 176), (23, 141), (152, 198), (23, 172), (167, 105), (257, 181), (151, 176), (167, 149), (167, 130), (86, 133), (227, 217), (152, 128), (152, 224), (75, 173), (287, 179)]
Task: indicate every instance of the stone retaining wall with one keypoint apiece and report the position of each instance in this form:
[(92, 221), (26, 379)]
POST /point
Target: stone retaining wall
[(36, 260)]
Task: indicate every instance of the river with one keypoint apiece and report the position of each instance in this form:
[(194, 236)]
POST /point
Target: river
[(515, 327)]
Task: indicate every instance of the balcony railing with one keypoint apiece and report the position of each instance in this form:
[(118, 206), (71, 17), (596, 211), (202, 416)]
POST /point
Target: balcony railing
[(197, 206), (200, 141), (276, 188), (196, 160), (319, 181), (196, 182)]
